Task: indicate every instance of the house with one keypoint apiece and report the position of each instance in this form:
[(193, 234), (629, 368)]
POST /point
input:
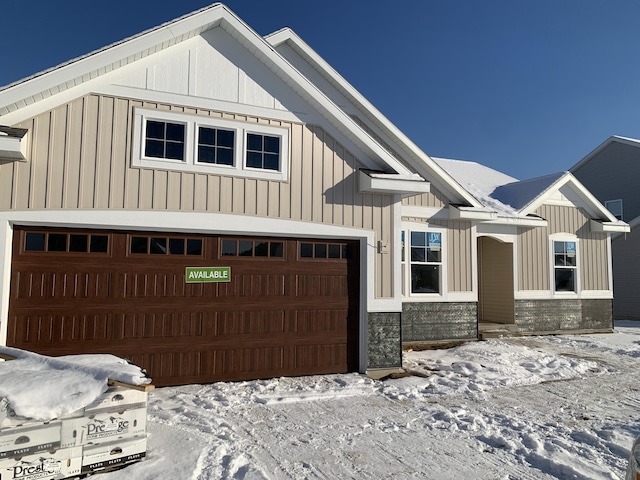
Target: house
[(611, 173), (215, 205)]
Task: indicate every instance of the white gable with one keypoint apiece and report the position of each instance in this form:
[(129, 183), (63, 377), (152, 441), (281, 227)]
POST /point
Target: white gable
[(213, 66)]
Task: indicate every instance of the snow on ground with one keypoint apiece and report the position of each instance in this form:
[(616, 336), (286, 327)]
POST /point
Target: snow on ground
[(512, 408)]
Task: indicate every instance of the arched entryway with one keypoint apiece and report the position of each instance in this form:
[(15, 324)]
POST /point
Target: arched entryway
[(496, 304)]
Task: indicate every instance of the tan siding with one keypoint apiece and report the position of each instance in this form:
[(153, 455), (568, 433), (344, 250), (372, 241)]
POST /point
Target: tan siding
[(459, 263), (434, 198), (81, 158), (534, 255)]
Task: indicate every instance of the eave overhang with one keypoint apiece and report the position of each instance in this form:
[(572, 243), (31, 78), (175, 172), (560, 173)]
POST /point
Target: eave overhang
[(601, 226), (391, 183), (13, 144), (463, 212)]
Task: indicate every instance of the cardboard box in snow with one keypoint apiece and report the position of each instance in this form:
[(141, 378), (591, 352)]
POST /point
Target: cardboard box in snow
[(62, 463), (113, 455), (117, 399), (103, 427)]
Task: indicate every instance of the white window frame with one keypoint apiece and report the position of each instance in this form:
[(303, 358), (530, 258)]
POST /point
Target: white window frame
[(564, 237), (406, 263), (617, 200), (190, 162)]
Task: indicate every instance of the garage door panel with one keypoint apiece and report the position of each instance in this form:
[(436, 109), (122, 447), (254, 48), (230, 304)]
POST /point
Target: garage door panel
[(277, 316)]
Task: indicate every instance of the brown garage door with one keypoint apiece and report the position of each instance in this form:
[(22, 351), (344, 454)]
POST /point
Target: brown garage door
[(291, 307)]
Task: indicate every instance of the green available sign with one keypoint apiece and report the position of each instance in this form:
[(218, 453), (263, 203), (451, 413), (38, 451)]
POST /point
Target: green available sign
[(207, 274)]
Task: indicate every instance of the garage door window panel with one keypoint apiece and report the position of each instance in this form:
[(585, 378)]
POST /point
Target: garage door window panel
[(251, 248), (172, 246), (75, 243), (324, 251)]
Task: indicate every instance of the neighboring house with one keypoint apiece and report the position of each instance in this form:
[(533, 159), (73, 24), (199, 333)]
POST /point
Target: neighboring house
[(611, 172), (214, 205)]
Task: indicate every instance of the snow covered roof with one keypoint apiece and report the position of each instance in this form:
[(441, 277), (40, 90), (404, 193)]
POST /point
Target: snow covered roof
[(481, 182), (513, 198)]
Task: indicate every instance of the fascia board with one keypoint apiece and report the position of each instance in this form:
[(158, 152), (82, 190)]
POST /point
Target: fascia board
[(424, 164), (470, 213)]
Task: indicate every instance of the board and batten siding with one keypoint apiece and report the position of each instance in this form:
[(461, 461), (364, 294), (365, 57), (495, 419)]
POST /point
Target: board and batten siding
[(434, 198), (534, 255), (80, 158), (459, 252)]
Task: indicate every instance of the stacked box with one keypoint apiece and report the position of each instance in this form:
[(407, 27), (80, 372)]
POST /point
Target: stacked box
[(113, 455), (44, 465), (109, 433)]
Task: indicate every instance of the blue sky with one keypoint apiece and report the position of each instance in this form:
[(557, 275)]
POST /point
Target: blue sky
[(525, 87)]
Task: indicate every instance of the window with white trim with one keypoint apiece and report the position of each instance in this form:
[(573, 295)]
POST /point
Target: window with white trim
[(565, 266), (615, 207), (176, 141), (424, 259)]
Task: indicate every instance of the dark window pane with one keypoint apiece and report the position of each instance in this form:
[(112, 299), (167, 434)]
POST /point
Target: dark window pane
[(277, 249), (271, 161), (571, 261), (57, 242), (418, 254), (34, 242), (226, 138), (254, 142), (225, 156), (206, 154), (320, 250), (229, 248), (175, 132), (254, 160), (418, 239), (139, 245), (425, 279), (78, 243), (154, 148), (306, 250), (246, 248), (206, 136), (334, 251), (159, 246), (433, 256), (99, 243), (262, 249), (176, 246), (272, 144), (155, 129), (194, 246), (175, 151), (565, 279)]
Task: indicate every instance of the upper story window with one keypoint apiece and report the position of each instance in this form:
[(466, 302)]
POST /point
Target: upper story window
[(164, 140), (176, 141), (216, 145), (263, 151), (615, 207), (565, 266)]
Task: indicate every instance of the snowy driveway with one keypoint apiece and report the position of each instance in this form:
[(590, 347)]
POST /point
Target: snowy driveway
[(520, 408)]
